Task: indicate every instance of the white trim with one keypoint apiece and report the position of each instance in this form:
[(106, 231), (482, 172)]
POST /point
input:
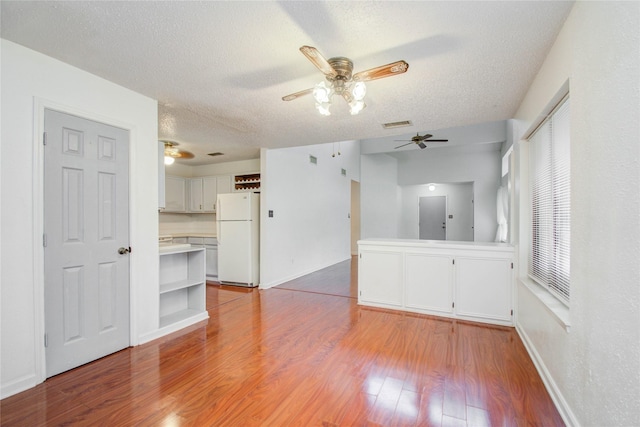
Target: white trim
[(558, 311), (559, 401), (39, 106), (18, 385)]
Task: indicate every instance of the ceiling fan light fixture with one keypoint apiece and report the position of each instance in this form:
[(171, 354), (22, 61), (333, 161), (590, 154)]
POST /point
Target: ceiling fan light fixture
[(358, 91), (322, 93), (356, 106), (168, 160), (323, 108)]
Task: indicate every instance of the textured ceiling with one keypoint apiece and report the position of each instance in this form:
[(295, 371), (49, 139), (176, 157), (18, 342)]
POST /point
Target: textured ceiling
[(220, 69)]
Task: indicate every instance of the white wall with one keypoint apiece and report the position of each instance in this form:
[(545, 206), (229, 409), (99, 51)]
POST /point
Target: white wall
[(474, 164), (379, 197), (310, 227), (459, 205), (594, 368), (227, 168), (30, 80)]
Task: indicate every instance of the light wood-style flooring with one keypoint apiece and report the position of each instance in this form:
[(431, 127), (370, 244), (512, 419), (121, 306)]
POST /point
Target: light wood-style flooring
[(301, 354)]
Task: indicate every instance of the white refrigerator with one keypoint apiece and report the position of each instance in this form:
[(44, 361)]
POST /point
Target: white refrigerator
[(238, 227)]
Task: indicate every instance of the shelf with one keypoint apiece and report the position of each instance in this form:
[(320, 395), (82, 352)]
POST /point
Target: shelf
[(181, 284), (182, 294), (246, 182), (179, 316)]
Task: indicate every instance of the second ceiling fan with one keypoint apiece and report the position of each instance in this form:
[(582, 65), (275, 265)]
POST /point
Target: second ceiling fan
[(419, 140), (338, 72)]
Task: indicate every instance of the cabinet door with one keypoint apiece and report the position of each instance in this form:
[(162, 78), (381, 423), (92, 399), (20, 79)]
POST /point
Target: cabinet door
[(175, 194), (195, 195), (483, 288), (380, 277), (224, 184), (212, 262), (209, 193), (429, 282)]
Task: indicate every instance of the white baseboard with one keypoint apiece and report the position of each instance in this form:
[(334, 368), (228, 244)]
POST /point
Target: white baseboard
[(565, 411), (18, 385)]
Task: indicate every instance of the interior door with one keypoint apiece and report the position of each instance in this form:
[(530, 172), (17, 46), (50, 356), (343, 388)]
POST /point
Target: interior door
[(433, 218), (86, 225)]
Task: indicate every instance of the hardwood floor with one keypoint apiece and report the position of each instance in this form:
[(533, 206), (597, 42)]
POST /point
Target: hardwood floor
[(301, 354)]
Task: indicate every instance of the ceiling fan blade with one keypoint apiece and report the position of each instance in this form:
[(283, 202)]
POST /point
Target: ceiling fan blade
[(318, 60), (421, 145), (296, 95), (183, 155), (437, 140), (388, 70), (411, 142)]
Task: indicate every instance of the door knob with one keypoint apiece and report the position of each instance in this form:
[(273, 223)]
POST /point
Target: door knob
[(124, 250)]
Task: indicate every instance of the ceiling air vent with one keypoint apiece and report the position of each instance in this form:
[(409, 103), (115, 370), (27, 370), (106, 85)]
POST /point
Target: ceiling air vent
[(217, 153), (392, 125)]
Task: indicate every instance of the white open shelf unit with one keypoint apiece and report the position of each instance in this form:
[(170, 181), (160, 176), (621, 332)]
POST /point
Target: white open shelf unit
[(182, 287)]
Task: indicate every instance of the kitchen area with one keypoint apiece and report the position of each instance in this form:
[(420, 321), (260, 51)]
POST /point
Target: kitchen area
[(208, 232)]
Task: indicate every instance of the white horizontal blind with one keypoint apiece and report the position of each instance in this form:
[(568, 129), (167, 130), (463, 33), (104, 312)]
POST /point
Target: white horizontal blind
[(549, 166)]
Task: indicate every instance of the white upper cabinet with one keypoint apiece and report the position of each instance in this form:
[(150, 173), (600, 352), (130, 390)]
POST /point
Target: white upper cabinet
[(175, 194), (195, 195), (203, 192)]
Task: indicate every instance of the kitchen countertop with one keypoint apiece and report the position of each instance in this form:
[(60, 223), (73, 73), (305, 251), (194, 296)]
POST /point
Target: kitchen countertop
[(189, 234)]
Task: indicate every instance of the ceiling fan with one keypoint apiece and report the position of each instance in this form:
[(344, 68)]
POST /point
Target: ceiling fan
[(419, 140), (171, 152), (340, 80)]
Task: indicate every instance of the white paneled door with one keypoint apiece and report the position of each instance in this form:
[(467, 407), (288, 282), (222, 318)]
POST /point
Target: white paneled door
[(433, 218), (86, 254)]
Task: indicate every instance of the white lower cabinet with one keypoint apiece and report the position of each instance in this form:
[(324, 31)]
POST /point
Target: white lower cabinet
[(483, 288), (382, 272), (429, 282), (463, 280), (211, 247), (182, 288)]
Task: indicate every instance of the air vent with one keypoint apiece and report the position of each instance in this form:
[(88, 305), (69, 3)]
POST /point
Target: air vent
[(343, 172), (217, 153), (392, 125), (313, 159)]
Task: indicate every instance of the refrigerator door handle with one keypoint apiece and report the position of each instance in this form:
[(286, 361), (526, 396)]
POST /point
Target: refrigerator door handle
[(218, 211)]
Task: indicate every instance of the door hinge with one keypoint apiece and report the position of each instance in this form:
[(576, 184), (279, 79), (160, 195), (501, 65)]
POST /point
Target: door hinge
[(44, 138), (512, 312), (453, 261), (453, 304), (512, 266), (360, 256), (44, 240), (46, 340)]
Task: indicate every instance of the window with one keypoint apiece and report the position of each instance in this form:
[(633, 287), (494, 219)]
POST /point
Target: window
[(549, 168)]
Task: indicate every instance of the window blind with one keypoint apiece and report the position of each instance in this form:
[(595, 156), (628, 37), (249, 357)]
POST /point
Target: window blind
[(550, 179)]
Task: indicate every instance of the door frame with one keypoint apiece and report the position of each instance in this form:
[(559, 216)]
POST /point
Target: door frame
[(40, 105)]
